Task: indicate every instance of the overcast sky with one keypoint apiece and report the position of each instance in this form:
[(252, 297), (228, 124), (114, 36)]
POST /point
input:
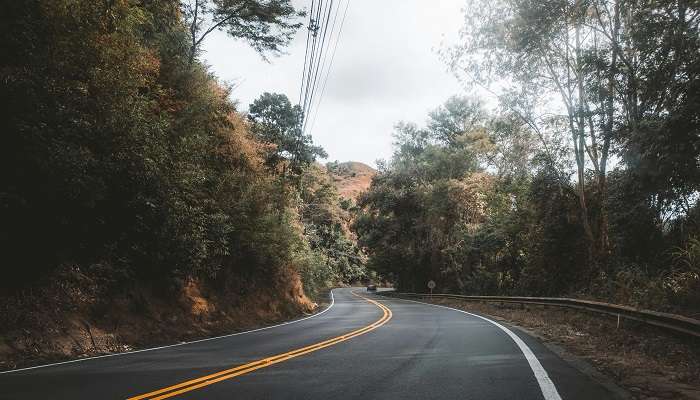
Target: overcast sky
[(385, 70)]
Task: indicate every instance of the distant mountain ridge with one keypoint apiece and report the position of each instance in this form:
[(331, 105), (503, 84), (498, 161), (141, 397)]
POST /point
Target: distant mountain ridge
[(351, 178)]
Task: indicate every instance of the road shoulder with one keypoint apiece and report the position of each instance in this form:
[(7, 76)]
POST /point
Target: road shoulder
[(633, 362)]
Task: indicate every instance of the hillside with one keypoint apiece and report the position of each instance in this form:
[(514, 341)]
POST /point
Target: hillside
[(351, 178), (138, 206)]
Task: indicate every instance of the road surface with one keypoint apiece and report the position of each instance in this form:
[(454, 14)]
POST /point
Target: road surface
[(363, 347)]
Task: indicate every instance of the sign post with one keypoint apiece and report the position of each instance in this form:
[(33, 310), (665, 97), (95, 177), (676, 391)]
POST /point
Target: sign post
[(431, 286)]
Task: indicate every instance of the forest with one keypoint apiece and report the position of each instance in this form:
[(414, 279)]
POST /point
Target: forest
[(194, 229), (572, 169), (129, 175)]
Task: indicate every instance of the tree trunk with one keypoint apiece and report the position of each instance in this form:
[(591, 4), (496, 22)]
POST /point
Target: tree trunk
[(580, 135)]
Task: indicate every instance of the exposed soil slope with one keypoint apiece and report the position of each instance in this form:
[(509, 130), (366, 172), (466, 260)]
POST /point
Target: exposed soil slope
[(351, 178), (78, 315)]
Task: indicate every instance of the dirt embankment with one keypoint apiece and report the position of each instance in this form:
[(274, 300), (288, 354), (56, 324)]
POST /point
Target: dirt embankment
[(77, 315), (351, 178), (648, 362)]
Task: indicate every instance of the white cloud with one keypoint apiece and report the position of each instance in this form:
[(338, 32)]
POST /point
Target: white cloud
[(385, 70)]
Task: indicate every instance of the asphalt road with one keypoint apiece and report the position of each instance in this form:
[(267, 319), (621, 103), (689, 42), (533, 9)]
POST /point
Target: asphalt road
[(384, 348)]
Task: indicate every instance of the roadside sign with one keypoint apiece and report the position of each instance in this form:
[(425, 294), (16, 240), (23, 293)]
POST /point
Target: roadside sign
[(431, 286)]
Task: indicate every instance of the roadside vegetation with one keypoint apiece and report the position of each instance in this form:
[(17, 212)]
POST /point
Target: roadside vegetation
[(139, 204), (131, 184), (574, 169)]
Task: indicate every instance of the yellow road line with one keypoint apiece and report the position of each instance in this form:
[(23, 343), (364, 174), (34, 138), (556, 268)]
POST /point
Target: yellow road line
[(207, 380)]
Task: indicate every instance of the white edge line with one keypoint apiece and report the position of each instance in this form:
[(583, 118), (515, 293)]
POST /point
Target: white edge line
[(174, 345), (549, 390)]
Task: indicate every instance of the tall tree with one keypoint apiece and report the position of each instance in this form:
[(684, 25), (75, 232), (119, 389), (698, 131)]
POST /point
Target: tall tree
[(593, 67), (459, 115), (278, 122), (267, 25)]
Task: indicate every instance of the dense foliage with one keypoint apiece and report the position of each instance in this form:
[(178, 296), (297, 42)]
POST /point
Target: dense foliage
[(481, 207), (585, 178), (123, 156)]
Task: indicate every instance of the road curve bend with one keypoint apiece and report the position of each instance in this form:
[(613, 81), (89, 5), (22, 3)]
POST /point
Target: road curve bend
[(364, 346)]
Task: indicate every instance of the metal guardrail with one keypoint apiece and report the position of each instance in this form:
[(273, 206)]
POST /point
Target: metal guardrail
[(672, 322)]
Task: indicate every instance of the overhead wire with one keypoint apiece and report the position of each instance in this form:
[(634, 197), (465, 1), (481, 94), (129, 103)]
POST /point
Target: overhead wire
[(330, 65), (306, 55), (314, 20), (322, 50), (323, 66), (311, 57), (316, 54)]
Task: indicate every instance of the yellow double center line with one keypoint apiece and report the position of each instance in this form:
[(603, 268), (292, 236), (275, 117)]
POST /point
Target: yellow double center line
[(211, 379)]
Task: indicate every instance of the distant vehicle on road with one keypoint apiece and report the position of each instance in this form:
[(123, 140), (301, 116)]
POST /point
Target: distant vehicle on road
[(371, 288)]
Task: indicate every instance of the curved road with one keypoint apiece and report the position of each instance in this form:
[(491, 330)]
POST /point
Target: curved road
[(363, 346)]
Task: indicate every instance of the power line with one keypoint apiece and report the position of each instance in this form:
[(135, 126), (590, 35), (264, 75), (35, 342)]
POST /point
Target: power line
[(323, 66), (306, 54), (316, 55), (330, 65), (312, 60), (314, 20), (322, 52)]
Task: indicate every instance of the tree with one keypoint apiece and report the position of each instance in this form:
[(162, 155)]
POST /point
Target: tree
[(326, 226), (277, 122), (267, 25), (459, 115), (120, 155), (418, 216), (603, 69), (660, 140)]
